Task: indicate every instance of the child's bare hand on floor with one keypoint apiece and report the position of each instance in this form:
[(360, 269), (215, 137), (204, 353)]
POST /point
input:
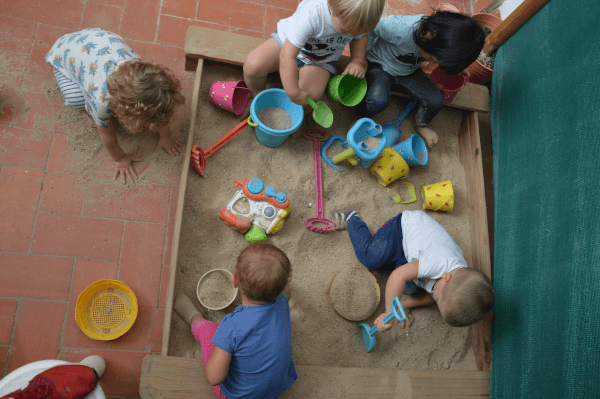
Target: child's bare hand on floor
[(171, 145), (125, 168)]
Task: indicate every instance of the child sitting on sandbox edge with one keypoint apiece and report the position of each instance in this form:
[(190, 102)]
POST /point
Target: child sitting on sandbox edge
[(249, 355), (430, 267), (306, 47), (102, 76)]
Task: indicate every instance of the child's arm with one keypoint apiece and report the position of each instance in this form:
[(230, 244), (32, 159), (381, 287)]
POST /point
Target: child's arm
[(166, 141), (395, 288), (358, 61), (288, 71), (217, 366), (123, 166)]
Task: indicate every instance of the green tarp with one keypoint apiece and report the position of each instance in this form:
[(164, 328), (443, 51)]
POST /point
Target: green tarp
[(545, 116)]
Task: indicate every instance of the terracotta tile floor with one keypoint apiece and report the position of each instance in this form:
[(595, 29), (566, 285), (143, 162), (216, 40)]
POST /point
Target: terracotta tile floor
[(55, 240)]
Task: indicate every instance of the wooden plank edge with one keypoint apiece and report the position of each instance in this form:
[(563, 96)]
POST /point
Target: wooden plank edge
[(469, 149), (179, 214), (180, 378), (192, 55)]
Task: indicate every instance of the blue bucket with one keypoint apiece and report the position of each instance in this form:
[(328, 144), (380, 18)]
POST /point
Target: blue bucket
[(413, 150), (275, 98)]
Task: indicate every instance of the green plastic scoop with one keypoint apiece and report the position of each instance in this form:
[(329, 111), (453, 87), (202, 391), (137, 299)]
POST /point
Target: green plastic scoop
[(322, 113)]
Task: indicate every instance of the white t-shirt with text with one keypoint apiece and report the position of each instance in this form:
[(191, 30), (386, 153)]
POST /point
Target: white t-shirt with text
[(310, 29)]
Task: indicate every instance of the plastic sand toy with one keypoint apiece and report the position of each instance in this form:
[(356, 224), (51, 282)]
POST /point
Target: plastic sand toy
[(364, 143), (256, 210), (368, 332)]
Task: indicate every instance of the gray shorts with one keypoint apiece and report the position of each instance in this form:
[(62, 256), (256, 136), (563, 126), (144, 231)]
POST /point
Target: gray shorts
[(329, 66)]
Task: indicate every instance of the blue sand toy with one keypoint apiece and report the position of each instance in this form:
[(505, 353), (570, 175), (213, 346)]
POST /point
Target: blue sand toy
[(274, 98), (326, 145), (368, 332), (391, 130), (357, 152), (413, 150)]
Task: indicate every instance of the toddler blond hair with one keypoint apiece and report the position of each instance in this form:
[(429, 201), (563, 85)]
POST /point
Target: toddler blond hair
[(362, 14), (470, 297), (143, 95)]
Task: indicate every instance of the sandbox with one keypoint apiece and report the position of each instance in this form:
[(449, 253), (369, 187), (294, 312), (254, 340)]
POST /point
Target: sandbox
[(320, 336)]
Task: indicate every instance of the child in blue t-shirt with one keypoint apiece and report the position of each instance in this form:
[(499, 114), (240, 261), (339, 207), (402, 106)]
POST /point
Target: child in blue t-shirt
[(251, 351), (398, 46)]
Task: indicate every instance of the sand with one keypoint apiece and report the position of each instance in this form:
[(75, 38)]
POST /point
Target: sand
[(320, 335), (354, 294), (216, 290), (275, 118), (486, 60)]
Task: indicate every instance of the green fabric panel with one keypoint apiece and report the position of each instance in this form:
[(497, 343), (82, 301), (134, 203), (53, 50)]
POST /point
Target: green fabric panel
[(545, 119)]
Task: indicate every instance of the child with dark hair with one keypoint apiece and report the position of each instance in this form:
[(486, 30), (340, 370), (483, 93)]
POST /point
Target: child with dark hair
[(398, 46), (249, 354)]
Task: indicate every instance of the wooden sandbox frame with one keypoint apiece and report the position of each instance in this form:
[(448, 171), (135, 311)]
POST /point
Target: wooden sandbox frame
[(204, 43)]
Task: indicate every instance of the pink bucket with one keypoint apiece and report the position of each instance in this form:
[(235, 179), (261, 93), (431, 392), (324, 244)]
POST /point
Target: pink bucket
[(449, 85), (232, 96)]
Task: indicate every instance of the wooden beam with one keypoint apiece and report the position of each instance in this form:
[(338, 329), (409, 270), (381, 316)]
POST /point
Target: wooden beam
[(179, 214), (232, 48), (183, 378), (512, 24), (469, 152)]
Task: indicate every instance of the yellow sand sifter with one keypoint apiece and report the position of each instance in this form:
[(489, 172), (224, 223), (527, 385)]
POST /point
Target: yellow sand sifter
[(106, 310)]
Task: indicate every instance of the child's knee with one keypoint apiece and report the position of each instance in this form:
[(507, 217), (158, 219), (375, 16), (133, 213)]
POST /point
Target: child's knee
[(375, 104), (254, 66)]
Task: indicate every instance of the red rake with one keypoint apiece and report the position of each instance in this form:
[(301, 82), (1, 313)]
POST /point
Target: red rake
[(199, 155)]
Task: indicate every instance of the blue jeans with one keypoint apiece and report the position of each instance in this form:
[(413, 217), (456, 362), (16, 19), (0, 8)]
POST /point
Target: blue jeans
[(382, 249), (417, 85)]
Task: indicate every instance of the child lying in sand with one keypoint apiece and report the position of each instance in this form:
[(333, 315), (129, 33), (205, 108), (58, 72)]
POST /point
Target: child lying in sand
[(97, 72), (249, 355), (429, 266)]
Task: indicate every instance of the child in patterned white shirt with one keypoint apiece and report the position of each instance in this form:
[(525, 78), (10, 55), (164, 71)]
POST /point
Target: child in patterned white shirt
[(97, 72)]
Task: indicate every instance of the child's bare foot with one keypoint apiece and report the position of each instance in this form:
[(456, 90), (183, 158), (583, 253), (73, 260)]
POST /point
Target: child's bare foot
[(186, 309), (428, 135), (89, 119)]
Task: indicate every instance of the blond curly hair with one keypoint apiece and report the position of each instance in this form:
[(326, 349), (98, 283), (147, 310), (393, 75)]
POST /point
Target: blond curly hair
[(143, 95)]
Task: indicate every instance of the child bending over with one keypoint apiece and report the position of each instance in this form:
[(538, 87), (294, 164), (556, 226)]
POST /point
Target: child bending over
[(311, 41), (251, 351), (449, 39), (429, 267), (97, 72)]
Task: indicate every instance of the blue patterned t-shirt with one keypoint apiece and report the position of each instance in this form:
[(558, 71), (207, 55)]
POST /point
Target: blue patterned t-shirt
[(88, 57)]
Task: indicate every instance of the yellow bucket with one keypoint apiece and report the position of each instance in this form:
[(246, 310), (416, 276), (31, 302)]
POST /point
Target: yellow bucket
[(106, 310), (438, 196), (389, 167)]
